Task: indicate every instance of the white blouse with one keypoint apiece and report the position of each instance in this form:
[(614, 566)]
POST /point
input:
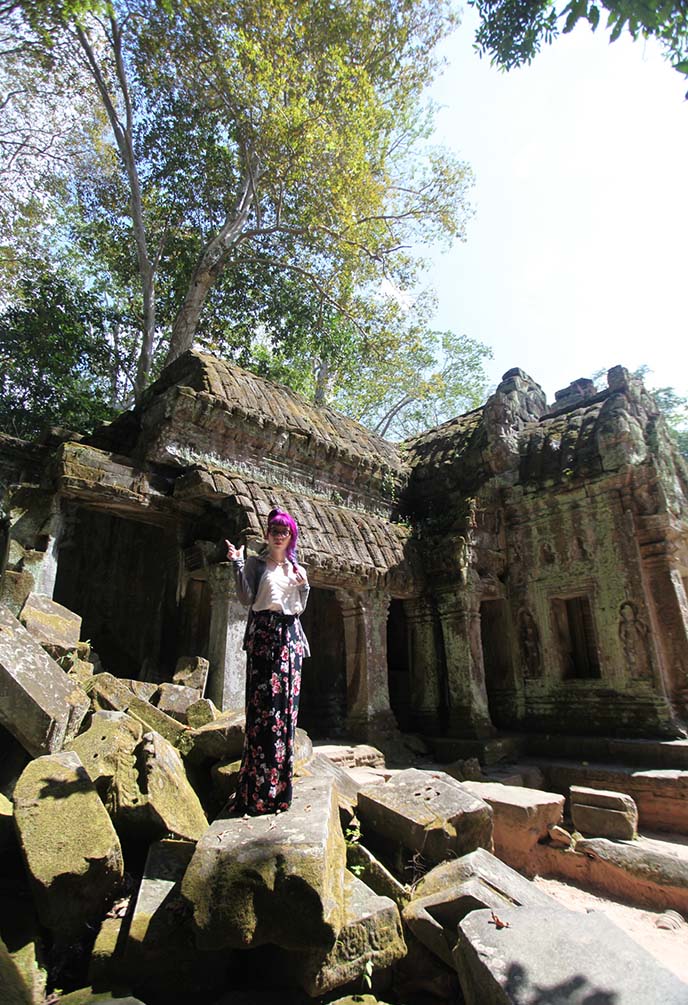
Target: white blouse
[(279, 590)]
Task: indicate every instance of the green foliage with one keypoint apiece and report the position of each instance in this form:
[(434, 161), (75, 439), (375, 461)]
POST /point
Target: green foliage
[(56, 366), (224, 140), (428, 378), (512, 31)]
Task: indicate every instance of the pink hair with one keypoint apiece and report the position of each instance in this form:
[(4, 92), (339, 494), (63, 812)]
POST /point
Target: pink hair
[(283, 519)]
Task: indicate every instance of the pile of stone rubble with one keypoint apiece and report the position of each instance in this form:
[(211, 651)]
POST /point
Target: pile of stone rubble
[(124, 879)]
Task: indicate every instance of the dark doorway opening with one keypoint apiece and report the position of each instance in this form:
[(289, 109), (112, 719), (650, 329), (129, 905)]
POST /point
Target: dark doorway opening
[(399, 665), (497, 660), (121, 577), (323, 708), (576, 635)]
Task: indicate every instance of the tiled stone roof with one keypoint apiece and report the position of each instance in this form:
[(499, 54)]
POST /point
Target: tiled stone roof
[(346, 544), (263, 403)]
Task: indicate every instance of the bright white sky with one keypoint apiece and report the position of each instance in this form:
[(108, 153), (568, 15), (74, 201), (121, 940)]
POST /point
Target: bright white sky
[(576, 257)]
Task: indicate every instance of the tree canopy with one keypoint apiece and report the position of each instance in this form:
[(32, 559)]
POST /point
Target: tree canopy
[(242, 176), (511, 32)]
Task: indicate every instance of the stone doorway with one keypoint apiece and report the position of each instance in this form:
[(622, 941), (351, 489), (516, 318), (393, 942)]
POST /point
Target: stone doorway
[(399, 665), (495, 638), (121, 576), (323, 705)]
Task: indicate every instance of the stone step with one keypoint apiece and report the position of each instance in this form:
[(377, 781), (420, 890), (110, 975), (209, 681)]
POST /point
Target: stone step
[(488, 751), (651, 753)]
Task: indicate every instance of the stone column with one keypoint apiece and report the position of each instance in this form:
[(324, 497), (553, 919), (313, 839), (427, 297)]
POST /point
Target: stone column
[(669, 624), (227, 677), (467, 695), (425, 666), (369, 715)]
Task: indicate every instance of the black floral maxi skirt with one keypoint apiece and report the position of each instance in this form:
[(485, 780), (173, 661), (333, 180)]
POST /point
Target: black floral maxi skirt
[(273, 684)]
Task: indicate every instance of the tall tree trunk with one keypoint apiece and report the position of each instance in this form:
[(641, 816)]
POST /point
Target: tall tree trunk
[(123, 132), (211, 264)]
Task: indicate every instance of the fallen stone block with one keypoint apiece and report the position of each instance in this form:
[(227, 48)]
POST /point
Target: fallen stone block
[(53, 626), (603, 813), (219, 740), (347, 788), (39, 704), (141, 779), (337, 753), (109, 693), (427, 813), (521, 817), (271, 879), (161, 953), (370, 936), (201, 712), (598, 821), (72, 853), (480, 864), (531, 955), (175, 699), (192, 671), (366, 756), (452, 890), (583, 796), (143, 689)]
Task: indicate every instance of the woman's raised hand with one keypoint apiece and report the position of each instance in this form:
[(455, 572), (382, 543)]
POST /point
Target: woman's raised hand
[(234, 554)]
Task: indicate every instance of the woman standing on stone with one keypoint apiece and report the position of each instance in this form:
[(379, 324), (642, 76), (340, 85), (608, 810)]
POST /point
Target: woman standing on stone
[(275, 589)]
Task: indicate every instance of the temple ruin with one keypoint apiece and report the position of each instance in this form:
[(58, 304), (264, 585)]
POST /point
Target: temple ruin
[(521, 568)]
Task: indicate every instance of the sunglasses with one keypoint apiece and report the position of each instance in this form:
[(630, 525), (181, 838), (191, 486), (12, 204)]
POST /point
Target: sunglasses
[(279, 531)]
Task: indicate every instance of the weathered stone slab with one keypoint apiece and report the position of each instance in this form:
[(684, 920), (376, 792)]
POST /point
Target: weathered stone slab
[(175, 699), (521, 817), (141, 778), (598, 821), (111, 694), (276, 878), (53, 626), (192, 671), (426, 812), (370, 934), (161, 951), (557, 956), (69, 845), (452, 890), (39, 704)]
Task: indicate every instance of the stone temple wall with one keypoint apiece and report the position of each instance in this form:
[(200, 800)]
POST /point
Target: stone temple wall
[(520, 567)]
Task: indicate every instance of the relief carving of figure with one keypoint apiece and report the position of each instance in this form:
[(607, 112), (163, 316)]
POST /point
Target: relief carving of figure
[(529, 638), (635, 640)]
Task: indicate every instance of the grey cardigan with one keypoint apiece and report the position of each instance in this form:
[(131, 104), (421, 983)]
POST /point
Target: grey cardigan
[(247, 576)]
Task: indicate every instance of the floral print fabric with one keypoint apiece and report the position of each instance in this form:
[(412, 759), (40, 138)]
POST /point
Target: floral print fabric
[(273, 685)]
